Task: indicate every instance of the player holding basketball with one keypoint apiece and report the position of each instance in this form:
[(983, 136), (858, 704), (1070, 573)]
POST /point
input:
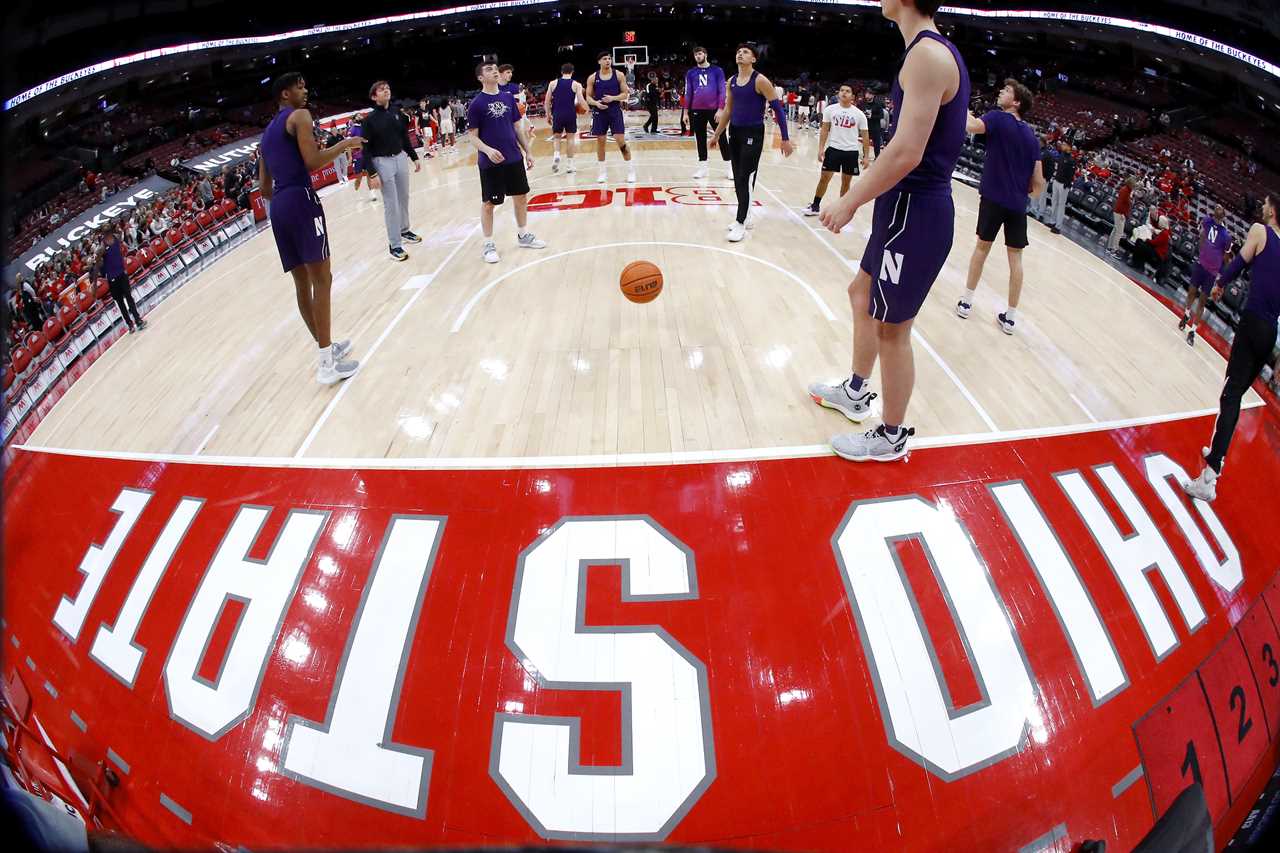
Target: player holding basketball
[(564, 94), (289, 156), (748, 94), (911, 234), (705, 93), (1214, 240), (1010, 175), (607, 91), (844, 127), (1255, 337), (500, 140)]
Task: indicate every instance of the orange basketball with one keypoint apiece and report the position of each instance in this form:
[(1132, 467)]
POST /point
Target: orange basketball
[(641, 282)]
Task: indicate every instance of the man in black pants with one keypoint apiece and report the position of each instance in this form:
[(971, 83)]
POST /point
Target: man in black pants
[(1254, 341), (651, 96), (874, 109), (704, 94), (747, 96), (112, 266)]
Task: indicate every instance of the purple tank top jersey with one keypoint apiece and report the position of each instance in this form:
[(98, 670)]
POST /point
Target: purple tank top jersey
[(1214, 241), (941, 153), (562, 100), (284, 160), (748, 104), (612, 86), (1264, 292)]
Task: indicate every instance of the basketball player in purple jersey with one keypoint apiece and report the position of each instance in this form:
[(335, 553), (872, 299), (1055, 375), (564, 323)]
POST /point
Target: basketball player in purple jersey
[(1255, 337), (289, 156), (704, 95), (911, 234), (747, 96), (503, 153), (1214, 240), (1010, 176), (505, 72), (607, 91), (561, 107)]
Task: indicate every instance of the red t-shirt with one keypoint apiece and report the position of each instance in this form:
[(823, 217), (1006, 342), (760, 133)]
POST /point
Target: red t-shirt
[(1160, 242), (1124, 200)]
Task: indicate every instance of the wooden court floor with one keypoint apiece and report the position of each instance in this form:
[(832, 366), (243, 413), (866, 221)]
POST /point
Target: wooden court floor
[(540, 355)]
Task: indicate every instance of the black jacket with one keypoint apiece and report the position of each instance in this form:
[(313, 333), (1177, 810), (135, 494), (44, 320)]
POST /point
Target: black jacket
[(1065, 172), (384, 136)]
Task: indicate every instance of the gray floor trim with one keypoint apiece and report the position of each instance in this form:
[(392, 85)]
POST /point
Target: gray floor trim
[(182, 814), (1127, 782), (1046, 841), (118, 761), (80, 724)]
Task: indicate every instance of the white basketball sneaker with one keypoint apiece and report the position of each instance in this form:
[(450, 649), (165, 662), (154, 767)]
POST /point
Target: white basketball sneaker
[(602, 177), (555, 163), (854, 406), (737, 232), (1204, 487), (332, 370), (571, 168), (631, 175), (702, 171), (490, 252), (874, 445)]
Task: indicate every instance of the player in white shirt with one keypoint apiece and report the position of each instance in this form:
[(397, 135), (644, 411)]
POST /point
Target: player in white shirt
[(844, 128)]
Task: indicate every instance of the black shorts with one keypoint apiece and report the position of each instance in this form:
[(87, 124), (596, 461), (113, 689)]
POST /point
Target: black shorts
[(498, 182), (992, 217), (835, 160)]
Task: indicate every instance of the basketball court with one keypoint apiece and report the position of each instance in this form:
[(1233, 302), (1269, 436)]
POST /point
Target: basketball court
[(387, 611)]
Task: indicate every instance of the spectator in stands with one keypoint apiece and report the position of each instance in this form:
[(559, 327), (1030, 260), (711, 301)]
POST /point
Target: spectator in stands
[(1154, 251), (32, 310), (204, 189), (1064, 175), (230, 182), (1120, 214)]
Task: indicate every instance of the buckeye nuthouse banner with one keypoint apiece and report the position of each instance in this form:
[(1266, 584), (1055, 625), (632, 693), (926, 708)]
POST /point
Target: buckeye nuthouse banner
[(998, 642), (111, 211), (211, 163)]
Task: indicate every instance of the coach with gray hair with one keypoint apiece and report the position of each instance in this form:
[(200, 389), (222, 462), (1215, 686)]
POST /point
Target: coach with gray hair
[(387, 152)]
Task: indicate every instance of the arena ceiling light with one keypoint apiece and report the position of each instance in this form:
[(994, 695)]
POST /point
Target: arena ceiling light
[(959, 11)]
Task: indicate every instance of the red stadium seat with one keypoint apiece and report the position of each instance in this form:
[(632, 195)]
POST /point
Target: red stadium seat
[(146, 256), (69, 314), (53, 329), (102, 289), (85, 303), (173, 237), (21, 360), (228, 206), (158, 248), (82, 283), (132, 264), (204, 219), (190, 228), (35, 343)]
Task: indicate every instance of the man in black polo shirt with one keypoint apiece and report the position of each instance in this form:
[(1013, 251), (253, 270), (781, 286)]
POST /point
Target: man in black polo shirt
[(387, 152)]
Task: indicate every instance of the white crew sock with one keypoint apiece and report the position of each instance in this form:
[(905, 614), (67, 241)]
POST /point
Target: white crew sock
[(1009, 313), (326, 356)]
